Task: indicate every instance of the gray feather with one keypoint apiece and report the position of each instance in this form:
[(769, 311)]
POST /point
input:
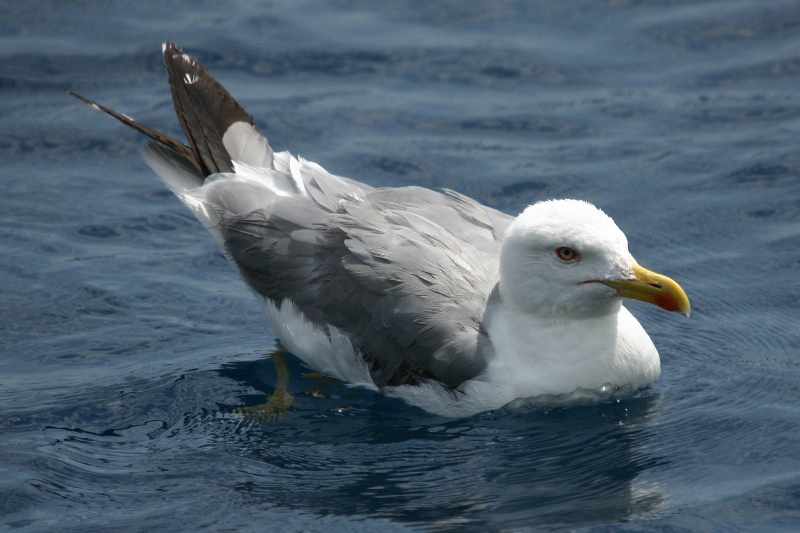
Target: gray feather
[(410, 292)]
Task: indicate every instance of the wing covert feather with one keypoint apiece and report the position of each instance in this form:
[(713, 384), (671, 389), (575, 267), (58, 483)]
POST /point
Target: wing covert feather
[(404, 272)]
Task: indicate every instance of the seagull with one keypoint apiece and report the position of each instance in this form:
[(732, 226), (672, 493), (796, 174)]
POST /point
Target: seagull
[(427, 296)]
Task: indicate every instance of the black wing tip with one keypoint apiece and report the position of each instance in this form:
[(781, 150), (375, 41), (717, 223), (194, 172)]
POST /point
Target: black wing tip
[(171, 52), (95, 105), (79, 97), (185, 68), (170, 48), (164, 140), (205, 111)]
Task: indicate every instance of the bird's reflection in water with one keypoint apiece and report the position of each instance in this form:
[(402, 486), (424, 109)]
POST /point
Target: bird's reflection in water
[(333, 450)]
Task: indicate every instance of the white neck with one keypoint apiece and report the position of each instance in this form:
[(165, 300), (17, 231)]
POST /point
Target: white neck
[(537, 356)]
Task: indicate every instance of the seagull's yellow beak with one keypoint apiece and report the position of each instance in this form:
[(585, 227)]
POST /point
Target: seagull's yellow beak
[(653, 288)]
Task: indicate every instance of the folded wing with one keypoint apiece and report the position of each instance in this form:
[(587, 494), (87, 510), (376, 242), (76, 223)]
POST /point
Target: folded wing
[(405, 273)]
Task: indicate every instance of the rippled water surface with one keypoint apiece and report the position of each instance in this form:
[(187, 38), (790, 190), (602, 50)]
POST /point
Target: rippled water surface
[(141, 390)]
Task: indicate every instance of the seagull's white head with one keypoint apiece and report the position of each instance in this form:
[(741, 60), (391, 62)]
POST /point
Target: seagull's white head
[(566, 259)]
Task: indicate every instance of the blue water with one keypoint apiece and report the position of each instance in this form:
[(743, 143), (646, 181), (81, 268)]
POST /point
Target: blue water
[(130, 351)]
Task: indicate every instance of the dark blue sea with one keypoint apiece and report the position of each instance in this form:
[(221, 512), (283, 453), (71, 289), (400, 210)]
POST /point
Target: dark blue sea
[(133, 359)]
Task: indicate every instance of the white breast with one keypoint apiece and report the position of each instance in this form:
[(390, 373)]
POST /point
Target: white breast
[(537, 357)]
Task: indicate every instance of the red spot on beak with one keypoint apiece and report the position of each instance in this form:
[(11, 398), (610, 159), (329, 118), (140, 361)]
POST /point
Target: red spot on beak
[(667, 303)]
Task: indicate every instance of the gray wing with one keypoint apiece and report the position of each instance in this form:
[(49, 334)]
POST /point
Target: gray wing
[(406, 273)]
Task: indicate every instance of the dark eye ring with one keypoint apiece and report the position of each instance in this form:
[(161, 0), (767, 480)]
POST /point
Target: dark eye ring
[(565, 253)]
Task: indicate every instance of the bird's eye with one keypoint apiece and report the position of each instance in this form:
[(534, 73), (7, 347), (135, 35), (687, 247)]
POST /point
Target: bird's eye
[(565, 253)]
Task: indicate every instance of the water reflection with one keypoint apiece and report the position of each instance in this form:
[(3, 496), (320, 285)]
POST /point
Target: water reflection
[(349, 452)]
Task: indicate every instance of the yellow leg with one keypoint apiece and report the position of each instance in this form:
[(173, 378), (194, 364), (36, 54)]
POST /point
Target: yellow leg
[(280, 401)]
